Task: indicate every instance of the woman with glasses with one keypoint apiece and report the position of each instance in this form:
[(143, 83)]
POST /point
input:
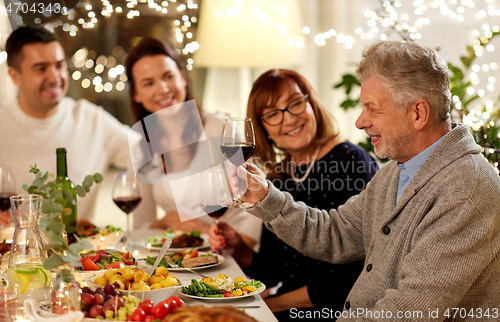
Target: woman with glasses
[(300, 149)]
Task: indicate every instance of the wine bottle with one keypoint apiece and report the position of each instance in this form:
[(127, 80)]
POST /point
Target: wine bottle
[(69, 219)]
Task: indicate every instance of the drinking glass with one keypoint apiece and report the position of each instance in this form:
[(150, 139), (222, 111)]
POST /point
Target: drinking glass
[(127, 196), (8, 305), (7, 190), (214, 192), (237, 145)]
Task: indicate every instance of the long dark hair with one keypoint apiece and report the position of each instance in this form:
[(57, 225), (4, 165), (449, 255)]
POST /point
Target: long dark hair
[(149, 46)]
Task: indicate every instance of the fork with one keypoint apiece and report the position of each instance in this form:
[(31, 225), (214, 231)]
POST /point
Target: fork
[(163, 251), (171, 262)]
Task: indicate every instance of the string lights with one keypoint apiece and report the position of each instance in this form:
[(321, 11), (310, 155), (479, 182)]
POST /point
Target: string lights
[(473, 84), (105, 73), (479, 107), (391, 17)]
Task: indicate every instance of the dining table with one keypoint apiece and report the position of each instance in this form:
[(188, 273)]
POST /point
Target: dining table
[(252, 305)]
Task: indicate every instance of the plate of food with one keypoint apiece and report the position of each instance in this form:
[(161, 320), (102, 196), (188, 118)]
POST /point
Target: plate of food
[(107, 237), (222, 287), (189, 258), (137, 282), (95, 263), (180, 240)]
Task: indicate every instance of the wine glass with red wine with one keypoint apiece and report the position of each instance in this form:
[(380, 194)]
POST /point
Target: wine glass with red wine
[(237, 145), (214, 192), (7, 189), (127, 196)]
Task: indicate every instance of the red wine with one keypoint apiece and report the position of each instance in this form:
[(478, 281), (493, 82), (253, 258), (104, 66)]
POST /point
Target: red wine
[(214, 210), (231, 151), (127, 204), (5, 200)]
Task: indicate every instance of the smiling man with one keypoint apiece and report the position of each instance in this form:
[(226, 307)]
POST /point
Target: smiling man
[(40, 72), (427, 224), (43, 119)]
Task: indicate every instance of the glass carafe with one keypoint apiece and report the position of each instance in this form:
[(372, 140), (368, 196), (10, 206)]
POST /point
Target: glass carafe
[(26, 275)]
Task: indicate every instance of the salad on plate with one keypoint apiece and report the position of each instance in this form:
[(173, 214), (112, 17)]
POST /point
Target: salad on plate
[(105, 259)]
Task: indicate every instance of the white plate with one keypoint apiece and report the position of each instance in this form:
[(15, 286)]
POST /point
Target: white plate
[(205, 244), (260, 289), (91, 275), (142, 262), (110, 240), (88, 275)]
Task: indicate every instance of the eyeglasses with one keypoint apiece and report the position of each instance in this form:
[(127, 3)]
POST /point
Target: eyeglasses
[(296, 107)]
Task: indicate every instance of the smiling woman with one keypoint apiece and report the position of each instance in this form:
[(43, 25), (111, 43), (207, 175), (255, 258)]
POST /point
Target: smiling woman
[(162, 99), (304, 123), (158, 71)]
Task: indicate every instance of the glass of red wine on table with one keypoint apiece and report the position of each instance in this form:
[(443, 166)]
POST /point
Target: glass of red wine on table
[(237, 145), (213, 193), (7, 189), (127, 196)]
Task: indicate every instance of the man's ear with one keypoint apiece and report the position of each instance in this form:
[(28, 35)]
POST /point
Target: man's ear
[(422, 114), (15, 75)]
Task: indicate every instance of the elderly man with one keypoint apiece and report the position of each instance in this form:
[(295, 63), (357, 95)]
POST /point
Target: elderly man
[(43, 119), (428, 223)]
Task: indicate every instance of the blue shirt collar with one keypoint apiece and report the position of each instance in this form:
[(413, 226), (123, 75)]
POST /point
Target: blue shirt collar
[(416, 162)]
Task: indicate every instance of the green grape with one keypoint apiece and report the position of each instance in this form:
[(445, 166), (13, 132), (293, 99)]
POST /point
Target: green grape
[(109, 314)]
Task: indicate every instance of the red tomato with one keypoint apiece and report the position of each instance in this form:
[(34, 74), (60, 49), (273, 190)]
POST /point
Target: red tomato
[(115, 265), (146, 306), (150, 318), (95, 257), (89, 265), (194, 253), (126, 259), (138, 315), (148, 301), (160, 310), (228, 294), (173, 303), (178, 300)]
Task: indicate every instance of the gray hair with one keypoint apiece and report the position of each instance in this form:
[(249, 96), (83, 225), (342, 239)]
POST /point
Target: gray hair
[(409, 72)]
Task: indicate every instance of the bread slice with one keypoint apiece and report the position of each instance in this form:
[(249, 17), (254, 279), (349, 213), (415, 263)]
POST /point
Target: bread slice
[(200, 261)]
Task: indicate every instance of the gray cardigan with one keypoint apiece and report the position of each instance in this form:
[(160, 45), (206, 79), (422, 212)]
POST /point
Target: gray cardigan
[(437, 249)]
